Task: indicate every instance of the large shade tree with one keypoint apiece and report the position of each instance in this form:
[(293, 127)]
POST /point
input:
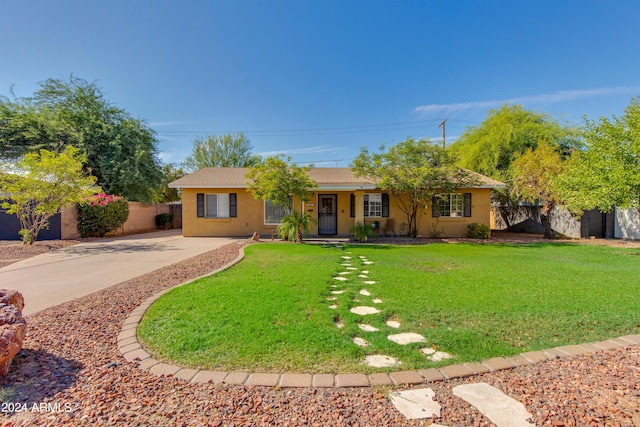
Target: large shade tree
[(121, 151), (506, 133), (606, 173), (221, 151), (413, 172)]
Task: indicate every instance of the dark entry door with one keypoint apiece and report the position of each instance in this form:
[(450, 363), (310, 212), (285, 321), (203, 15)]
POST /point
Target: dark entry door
[(327, 214)]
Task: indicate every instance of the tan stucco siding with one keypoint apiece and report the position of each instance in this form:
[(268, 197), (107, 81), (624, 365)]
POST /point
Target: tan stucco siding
[(250, 214), (249, 220)]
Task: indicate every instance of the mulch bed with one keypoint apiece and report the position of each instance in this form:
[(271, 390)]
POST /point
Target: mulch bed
[(70, 362)]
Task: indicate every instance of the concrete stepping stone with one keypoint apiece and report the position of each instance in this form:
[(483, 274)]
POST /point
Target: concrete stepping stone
[(416, 404), (369, 282), (362, 257), (393, 324), (337, 292), (339, 325), (367, 328), (351, 268), (345, 257), (333, 306), (501, 409), (360, 342), (407, 338), (344, 273), (365, 272), (363, 310), (365, 292), (367, 262), (435, 356), (331, 298), (346, 264), (381, 361), (341, 278), (377, 301)]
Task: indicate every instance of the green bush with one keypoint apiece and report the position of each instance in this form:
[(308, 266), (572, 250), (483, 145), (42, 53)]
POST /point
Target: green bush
[(478, 231), (362, 232), (164, 220), (101, 214)]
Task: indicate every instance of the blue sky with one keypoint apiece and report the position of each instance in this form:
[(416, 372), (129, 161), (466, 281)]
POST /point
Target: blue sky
[(317, 80)]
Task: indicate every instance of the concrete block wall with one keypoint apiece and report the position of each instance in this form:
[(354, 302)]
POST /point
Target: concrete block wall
[(142, 218)]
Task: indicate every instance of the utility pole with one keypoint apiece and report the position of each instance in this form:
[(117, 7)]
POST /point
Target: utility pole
[(442, 125)]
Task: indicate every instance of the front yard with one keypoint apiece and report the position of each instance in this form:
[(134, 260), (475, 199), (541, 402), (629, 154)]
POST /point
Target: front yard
[(280, 308)]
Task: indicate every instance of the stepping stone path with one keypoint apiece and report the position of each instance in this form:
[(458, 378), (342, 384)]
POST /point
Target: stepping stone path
[(501, 409), (347, 261)]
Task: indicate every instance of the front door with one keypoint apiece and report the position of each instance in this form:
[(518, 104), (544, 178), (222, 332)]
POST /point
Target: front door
[(327, 214)]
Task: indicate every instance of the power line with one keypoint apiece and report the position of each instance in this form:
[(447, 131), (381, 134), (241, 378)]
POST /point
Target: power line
[(313, 131)]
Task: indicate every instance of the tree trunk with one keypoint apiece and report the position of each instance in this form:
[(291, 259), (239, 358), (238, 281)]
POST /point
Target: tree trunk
[(548, 232)]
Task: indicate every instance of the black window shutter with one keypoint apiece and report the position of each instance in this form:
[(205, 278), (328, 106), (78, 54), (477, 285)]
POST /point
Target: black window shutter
[(385, 204), (353, 205), (200, 205), (467, 204), (366, 205), (435, 207), (233, 205)]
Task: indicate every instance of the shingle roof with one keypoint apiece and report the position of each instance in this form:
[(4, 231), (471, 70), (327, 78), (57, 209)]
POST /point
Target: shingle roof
[(327, 178)]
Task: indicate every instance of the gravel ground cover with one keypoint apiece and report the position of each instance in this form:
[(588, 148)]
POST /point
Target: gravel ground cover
[(71, 370)]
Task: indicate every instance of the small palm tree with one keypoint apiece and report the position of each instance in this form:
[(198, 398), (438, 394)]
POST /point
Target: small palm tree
[(361, 231), (294, 225)]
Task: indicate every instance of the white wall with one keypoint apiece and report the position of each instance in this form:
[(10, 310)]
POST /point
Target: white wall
[(627, 224)]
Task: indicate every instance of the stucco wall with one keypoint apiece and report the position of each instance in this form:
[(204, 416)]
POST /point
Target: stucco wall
[(142, 218), (250, 215), (627, 224)]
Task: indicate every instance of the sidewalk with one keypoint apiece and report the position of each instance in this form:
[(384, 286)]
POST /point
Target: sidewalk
[(56, 277)]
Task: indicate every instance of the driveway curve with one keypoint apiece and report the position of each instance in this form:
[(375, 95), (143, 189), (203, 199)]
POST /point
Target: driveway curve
[(59, 276)]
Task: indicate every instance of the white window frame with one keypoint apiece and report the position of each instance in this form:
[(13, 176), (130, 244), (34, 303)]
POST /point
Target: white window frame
[(455, 204), (374, 205), (221, 203), (271, 220)]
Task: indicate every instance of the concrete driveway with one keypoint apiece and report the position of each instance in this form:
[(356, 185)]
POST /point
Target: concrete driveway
[(56, 277)]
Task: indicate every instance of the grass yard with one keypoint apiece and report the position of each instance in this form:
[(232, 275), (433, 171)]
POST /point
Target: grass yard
[(271, 313)]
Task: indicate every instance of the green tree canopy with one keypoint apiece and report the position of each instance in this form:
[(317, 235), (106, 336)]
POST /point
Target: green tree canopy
[(277, 179), (607, 172), (120, 150), (221, 151), (535, 174), (413, 172), (505, 133), (38, 185)]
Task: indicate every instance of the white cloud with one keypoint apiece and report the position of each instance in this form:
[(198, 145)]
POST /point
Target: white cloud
[(308, 150), (559, 96)]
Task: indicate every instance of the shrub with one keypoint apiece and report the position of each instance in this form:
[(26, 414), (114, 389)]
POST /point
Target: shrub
[(164, 220), (478, 231), (362, 232), (101, 214), (293, 226)]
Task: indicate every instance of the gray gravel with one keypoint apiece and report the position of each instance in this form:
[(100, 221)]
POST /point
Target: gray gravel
[(70, 360)]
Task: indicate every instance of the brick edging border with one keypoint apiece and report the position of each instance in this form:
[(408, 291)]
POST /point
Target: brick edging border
[(133, 351)]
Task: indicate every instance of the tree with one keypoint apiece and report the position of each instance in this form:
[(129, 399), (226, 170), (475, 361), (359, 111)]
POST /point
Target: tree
[(277, 179), (294, 225), (505, 134), (120, 151), (37, 186), (535, 174), (607, 172), (164, 194), (221, 151), (413, 172)]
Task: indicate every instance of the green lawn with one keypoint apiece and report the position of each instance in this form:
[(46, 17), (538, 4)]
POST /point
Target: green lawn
[(270, 312)]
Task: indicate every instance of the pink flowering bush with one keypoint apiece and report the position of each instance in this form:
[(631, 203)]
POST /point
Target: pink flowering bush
[(101, 214)]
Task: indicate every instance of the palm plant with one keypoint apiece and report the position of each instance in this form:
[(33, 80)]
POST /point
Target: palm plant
[(294, 225), (362, 231)]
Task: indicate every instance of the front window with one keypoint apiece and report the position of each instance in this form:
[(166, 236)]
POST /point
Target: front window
[(273, 214), (450, 205), (373, 205), (217, 205)]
